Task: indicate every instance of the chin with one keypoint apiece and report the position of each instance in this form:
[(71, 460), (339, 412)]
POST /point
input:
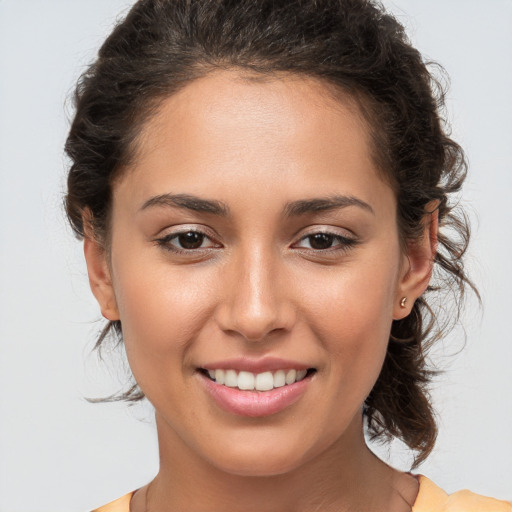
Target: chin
[(257, 462)]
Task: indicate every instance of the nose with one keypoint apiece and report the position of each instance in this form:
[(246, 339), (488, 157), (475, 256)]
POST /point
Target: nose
[(256, 303)]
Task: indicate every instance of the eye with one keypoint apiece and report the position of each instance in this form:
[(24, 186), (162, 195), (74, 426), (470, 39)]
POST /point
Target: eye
[(186, 241), (189, 240), (324, 241), (319, 241)]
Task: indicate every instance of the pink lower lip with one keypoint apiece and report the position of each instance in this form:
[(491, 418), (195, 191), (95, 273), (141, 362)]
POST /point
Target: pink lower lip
[(255, 403)]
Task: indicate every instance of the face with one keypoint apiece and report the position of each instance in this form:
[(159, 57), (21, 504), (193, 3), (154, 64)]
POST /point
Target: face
[(254, 243)]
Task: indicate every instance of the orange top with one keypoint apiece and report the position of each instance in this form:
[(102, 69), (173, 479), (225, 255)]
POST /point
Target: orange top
[(433, 499), (430, 499)]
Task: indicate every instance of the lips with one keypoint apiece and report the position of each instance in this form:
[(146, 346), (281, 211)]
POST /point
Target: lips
[(255, 388)]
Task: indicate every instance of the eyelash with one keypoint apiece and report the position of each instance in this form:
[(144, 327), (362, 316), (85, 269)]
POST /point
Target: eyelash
[(166, 241), (344, 243)]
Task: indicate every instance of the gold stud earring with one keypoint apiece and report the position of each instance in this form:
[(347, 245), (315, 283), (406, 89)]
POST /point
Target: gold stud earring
[(403, 302)]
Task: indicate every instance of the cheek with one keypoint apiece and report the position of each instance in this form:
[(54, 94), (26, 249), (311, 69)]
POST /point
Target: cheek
[(352, 318), (352, 301), (161, 309)]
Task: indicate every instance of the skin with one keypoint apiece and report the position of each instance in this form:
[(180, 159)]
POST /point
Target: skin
[(257, 287)]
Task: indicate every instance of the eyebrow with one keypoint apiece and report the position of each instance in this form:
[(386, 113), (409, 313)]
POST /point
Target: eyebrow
[(187, 202), (292, 209), (324, 204)]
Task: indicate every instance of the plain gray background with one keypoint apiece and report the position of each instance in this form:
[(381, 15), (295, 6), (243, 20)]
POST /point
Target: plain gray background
[(59, 453)]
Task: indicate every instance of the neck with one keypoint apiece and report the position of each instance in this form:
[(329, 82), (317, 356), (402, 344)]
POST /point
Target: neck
[(345, 477)]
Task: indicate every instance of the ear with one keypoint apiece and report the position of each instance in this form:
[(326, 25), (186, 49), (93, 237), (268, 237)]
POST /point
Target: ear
[(418, 264), (99, 272)]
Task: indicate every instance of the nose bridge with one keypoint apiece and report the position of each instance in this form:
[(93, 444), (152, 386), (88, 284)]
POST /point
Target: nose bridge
[(257, 304)]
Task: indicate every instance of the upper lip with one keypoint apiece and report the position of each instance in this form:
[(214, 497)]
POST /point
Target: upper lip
[(264, 364)]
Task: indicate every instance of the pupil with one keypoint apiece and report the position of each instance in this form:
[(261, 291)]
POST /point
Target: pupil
[(321, 241), (191, 240)]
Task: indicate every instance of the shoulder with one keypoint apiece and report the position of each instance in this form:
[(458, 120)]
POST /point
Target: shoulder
[(430, 499), (119, 505), (433, 499)]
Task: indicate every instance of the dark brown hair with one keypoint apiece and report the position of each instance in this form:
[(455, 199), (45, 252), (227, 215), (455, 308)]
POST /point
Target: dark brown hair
[(353, 45)]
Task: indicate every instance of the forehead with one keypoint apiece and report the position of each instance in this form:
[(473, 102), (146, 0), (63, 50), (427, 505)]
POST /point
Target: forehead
[(255, 131), (252, 105)]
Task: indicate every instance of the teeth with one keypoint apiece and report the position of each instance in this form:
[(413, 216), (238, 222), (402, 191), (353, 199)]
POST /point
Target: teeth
[(248, 381), (301, 374), (219, 376), (264, 381), (279, 379), (230, 378), (290, 376)]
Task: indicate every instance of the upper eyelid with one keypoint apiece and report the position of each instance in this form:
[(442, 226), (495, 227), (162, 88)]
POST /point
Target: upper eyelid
[(344, 237), (338, 232), (327, 230), (167, 237), (336, 236), (184, 228), (344, 241)]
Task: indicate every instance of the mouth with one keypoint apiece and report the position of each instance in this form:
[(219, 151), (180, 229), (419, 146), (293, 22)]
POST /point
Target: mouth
[(264, 381), (256, 387)]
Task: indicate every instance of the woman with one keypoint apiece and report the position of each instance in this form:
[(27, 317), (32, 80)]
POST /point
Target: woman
[(260, 186)]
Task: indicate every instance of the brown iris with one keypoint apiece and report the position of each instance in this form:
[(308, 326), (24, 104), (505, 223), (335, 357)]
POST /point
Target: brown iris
[(321, 241), (190, 240)]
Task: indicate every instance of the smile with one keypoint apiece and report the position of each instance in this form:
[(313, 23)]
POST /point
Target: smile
[(248, 381), (257, 393)]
